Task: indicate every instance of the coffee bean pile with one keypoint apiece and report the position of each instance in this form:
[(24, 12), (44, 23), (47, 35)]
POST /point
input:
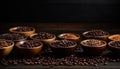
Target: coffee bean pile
[(48, 59), (93, 42), (30, 44), (12, 36), (23, 29), (62, 43), (4, 43), (43, 35), (96, 33), (115, 44)]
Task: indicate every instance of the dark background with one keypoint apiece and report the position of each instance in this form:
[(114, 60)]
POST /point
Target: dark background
[(60, 11)]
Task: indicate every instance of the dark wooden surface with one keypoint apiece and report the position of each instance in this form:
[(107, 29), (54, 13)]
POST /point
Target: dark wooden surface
[(63, 27)]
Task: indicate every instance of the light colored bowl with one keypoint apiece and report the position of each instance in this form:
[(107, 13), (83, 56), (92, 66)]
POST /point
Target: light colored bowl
[(5, 51), (26, 33), (28, 52), (115, 37), (69, 36)]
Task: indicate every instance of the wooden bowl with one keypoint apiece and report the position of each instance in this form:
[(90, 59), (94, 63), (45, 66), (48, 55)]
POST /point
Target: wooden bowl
[(93, 46), (63, 50), (114, 46), (69, 36), (96, 34), (28, 49), (20, 30), (39, 37), (6, 50), (115, 37)]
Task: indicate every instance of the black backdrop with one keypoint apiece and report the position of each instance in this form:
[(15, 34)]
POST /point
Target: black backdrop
[(60, 11)]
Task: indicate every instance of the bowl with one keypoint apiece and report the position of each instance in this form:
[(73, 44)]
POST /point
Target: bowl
[(114, 37), (28, 48), (6, 46), (13, 36), (27, 31), (95, 34), (63, 47), (114, 46), (93, 46), (69, 36), (45, 37)]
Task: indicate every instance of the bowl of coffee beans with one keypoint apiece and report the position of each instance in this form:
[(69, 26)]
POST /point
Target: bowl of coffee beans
[(114, 46), (63, 47), (28, 47), (115, 37), (6, 47), (96, 34), (93, 46), (69, 36), (45, 37), (13, 36), (27, 31)]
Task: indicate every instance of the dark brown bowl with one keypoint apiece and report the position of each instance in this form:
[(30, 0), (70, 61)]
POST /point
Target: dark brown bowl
[(27, 33), (95, 48), (115, 37), (63, 50), (69, 36), (96, 34), (114, 46), (28, 50), (13, 36), (5, 51), (46, 41)]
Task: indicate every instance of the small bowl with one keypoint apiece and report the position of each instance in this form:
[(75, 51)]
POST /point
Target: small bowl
[(28, 48), (93, 46), (114, 46), (69, 36), (115, 37), (6, 50), (42, 36), (13, 36), (27, 31), (96, 34), (63, 47)]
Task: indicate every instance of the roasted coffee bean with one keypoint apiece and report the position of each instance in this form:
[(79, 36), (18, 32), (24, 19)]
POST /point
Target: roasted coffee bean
[(12, 36), (30, 44), (116, 43), (23, 29), (43, 35), (63, 43), (96, 33), (4, 43), (93, 42)]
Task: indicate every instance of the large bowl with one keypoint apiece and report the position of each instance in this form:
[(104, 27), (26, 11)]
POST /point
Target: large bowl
[(28, 51), (26, 32), (93, 46), (5, 51)]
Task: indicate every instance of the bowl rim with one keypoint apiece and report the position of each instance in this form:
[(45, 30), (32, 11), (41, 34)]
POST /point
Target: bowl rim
[(31, 36), (18, 45), (107, 33), (9, 45), (63, 47), (105, 43), (109, 44), (111, 36), (15, 40), (13, 28), (62, 34)]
